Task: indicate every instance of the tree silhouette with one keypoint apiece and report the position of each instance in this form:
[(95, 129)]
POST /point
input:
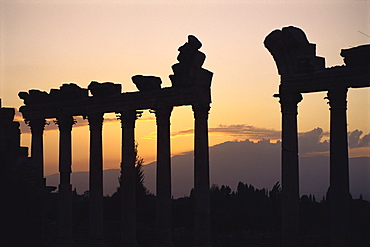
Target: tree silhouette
[(145, 201)]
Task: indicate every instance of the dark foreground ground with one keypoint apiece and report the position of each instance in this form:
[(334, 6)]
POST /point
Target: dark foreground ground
[(183, 237)]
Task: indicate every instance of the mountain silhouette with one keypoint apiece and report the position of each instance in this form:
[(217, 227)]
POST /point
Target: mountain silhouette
[(256, 163)]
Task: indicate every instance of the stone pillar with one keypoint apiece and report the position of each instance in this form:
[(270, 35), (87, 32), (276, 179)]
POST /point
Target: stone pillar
[(289, 169), (164, 202), (37, 153), (65, 188), (96, 222), (202, 232), (339, 195), (37, 146), (128, 179)]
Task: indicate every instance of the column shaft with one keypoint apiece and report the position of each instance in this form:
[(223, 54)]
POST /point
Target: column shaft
[(289, 170), (202, 232), (65, 188), (339, 195), (37, 146), (128, 179), (37, 153), (164, 203), (96, 221)]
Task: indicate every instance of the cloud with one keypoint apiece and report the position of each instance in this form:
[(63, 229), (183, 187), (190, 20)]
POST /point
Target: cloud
[(240, 131), (310, 142), (364, 141), (355, 140)]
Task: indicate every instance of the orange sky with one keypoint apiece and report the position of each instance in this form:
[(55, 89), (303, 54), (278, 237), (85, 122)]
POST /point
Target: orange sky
[(47, 43)]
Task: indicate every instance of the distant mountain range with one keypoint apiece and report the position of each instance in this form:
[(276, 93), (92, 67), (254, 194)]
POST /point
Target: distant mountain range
[(256, 163)]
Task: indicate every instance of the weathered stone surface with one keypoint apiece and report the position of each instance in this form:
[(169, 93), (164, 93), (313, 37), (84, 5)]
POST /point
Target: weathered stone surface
[(34, 97), (189, 69), (68, 92), (147, 83), (6, 115), (357, 56), (105, 89), (292, 52)]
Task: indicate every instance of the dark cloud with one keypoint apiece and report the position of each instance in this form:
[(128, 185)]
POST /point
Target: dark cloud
[(364, 141), (355, 140), (310, 142), (240, 131)]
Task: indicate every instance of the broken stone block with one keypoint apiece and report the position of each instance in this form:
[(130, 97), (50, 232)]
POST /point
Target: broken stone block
[(147, 83)]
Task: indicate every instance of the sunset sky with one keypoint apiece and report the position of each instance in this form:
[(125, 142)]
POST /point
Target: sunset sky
[(46, 43)]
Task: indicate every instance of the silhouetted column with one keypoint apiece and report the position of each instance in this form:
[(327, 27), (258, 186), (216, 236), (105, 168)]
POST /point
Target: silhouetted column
[(37, 126), (37, 145), (339, 195), (65, 188), (96, 223), (128, 178), (164, 207), (289, 169), (202, 233)]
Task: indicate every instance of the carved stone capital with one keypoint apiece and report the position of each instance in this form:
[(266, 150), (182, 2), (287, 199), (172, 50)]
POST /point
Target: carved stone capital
[(289, 102), (37, 125), (163, 115), (95, 121), (128, 117), (201, 111), (337, 98), (65, 123)]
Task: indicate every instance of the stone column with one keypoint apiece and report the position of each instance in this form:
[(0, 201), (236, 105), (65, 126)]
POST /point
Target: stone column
[(202, 232), (65, 188), (96, 222), (37, 146), (289, 169), (339, 195), (164, 203), (128, 179), (37, 153)]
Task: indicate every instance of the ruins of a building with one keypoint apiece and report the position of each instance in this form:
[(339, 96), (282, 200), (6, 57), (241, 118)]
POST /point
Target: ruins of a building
[(190, 86), (301, 71), (23, 190)]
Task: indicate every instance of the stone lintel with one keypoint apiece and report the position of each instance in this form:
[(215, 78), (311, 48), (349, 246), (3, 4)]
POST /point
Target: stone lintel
[(131, 100), (324, 80)]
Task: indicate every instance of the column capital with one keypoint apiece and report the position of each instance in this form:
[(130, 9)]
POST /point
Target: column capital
[(37, 125), (128, 117), (289, 102), (337, 98), (95, 121), (65, 122), (201, 110), (163, 114)]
